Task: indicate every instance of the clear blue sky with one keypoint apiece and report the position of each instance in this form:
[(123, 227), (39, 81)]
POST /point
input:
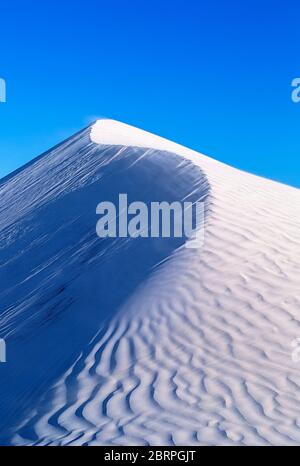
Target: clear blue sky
[(214, 75)]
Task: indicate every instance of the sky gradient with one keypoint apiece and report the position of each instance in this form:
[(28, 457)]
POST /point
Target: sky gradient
[(214, 76)]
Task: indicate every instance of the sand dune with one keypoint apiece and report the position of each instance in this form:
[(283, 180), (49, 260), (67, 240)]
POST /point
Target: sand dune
[(143, 341)]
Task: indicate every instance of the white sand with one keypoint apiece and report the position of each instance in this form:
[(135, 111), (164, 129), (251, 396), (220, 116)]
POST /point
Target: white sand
[(197, 352)]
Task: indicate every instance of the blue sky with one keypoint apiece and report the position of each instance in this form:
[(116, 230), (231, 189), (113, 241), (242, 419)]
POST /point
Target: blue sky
[(215, 76)]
